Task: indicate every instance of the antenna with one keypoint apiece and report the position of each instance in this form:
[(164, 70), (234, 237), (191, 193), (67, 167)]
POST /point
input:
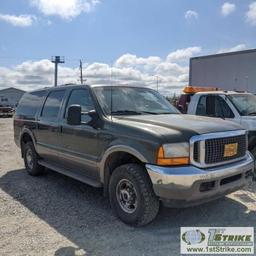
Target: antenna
[(82, 80)]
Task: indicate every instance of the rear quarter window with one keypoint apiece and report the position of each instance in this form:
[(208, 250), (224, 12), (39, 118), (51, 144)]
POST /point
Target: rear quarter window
[(29, 104), (52, 104)]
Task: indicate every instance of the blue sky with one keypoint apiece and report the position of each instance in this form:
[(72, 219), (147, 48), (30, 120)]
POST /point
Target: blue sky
[(100, 32)]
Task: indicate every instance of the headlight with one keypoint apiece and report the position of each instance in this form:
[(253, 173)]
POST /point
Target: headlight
[(173, 154)]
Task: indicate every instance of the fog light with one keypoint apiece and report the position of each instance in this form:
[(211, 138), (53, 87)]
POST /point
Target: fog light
[(206, 186)]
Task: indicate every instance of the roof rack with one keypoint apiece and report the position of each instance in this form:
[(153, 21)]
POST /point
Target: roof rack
[(69, 84)]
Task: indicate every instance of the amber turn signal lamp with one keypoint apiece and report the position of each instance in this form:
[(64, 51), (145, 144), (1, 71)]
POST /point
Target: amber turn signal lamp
[(162, 160)]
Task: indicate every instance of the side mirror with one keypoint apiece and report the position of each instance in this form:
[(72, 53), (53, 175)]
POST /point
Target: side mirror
[(74, 115)]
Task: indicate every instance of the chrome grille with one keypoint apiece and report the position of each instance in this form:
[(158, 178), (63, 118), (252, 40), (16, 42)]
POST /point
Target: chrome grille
[(214, 149), (207, 150), (196, 151)]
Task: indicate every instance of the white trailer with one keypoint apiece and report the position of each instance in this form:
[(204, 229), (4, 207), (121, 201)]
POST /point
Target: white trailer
[(229, 71)]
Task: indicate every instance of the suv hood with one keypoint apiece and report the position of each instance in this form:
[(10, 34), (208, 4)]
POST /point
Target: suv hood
[(188, 124)]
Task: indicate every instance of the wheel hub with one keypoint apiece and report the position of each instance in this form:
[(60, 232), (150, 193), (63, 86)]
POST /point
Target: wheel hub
[(29, 158), (126, 196)]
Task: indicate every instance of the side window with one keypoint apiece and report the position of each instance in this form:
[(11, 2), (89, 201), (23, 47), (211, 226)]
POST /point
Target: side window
[(83, 98), (207, 106), (213, 106), (52, 104), (226, 112), (201, 107), (29, 104)]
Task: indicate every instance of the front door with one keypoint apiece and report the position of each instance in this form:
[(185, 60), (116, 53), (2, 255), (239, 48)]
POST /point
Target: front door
[(79, 146)]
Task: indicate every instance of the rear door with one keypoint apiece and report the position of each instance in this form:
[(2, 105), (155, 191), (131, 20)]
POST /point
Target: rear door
[(79, 144), (48, 129)]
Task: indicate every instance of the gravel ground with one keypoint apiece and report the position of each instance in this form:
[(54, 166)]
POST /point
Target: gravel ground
[(56, 215)]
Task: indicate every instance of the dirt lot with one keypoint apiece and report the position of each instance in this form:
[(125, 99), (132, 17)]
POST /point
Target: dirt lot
[(56, 215)]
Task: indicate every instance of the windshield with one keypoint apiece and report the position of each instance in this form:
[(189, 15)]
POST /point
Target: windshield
[(244, 103), (133, 101)]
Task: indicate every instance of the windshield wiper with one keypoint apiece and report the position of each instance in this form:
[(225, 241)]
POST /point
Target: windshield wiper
[(133, 112), (252, 114), (148, 112), (125, 112), (165, 113)]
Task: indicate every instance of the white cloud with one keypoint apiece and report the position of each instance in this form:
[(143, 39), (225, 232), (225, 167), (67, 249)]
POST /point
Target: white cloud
[(235, 48), (66, 9), (168, 69), (18, 21), (127, 60), (183, 54), (190, 14), (43, 67), (251, 14), (127, 69), (227, 8)]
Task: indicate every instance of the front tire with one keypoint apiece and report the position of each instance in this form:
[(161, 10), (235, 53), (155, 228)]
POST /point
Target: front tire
[(31, 160), (131, 195)]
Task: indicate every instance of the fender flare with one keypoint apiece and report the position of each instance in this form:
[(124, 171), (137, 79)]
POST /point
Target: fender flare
[(26, 130), (118, 148)]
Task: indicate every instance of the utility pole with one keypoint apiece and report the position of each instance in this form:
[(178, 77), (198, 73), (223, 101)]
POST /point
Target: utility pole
[(56, 60), (81, 72)]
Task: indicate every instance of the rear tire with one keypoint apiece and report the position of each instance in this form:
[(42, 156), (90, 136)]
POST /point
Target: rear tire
[(31, 160), (131, 195)]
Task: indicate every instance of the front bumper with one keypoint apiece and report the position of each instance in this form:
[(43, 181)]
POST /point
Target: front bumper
[(190, 185)]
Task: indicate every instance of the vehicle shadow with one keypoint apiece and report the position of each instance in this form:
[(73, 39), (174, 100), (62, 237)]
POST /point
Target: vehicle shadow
[(81, 214)]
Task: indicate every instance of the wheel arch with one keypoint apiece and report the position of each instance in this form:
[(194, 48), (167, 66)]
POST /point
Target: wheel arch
[(25, 136), (116, 156)]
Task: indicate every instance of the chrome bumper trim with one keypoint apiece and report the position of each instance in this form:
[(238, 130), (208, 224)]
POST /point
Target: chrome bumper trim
[(183, 182)]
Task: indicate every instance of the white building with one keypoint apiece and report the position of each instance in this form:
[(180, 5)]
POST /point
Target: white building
[(10, 96), (227, 71)]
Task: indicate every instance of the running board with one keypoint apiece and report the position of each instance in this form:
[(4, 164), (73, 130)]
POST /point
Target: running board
[(70, 174)]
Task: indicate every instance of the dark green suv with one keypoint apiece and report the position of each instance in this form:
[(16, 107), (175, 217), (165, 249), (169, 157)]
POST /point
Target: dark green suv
[(134, 144)]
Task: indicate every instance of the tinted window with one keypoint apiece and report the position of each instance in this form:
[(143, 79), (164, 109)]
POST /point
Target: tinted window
[(201, 107), (213, 106), (29, 104), (52, 104), (225, 110), (83, 98)]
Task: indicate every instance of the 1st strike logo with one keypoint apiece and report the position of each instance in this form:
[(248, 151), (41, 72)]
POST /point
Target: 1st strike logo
[(193, 237)]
